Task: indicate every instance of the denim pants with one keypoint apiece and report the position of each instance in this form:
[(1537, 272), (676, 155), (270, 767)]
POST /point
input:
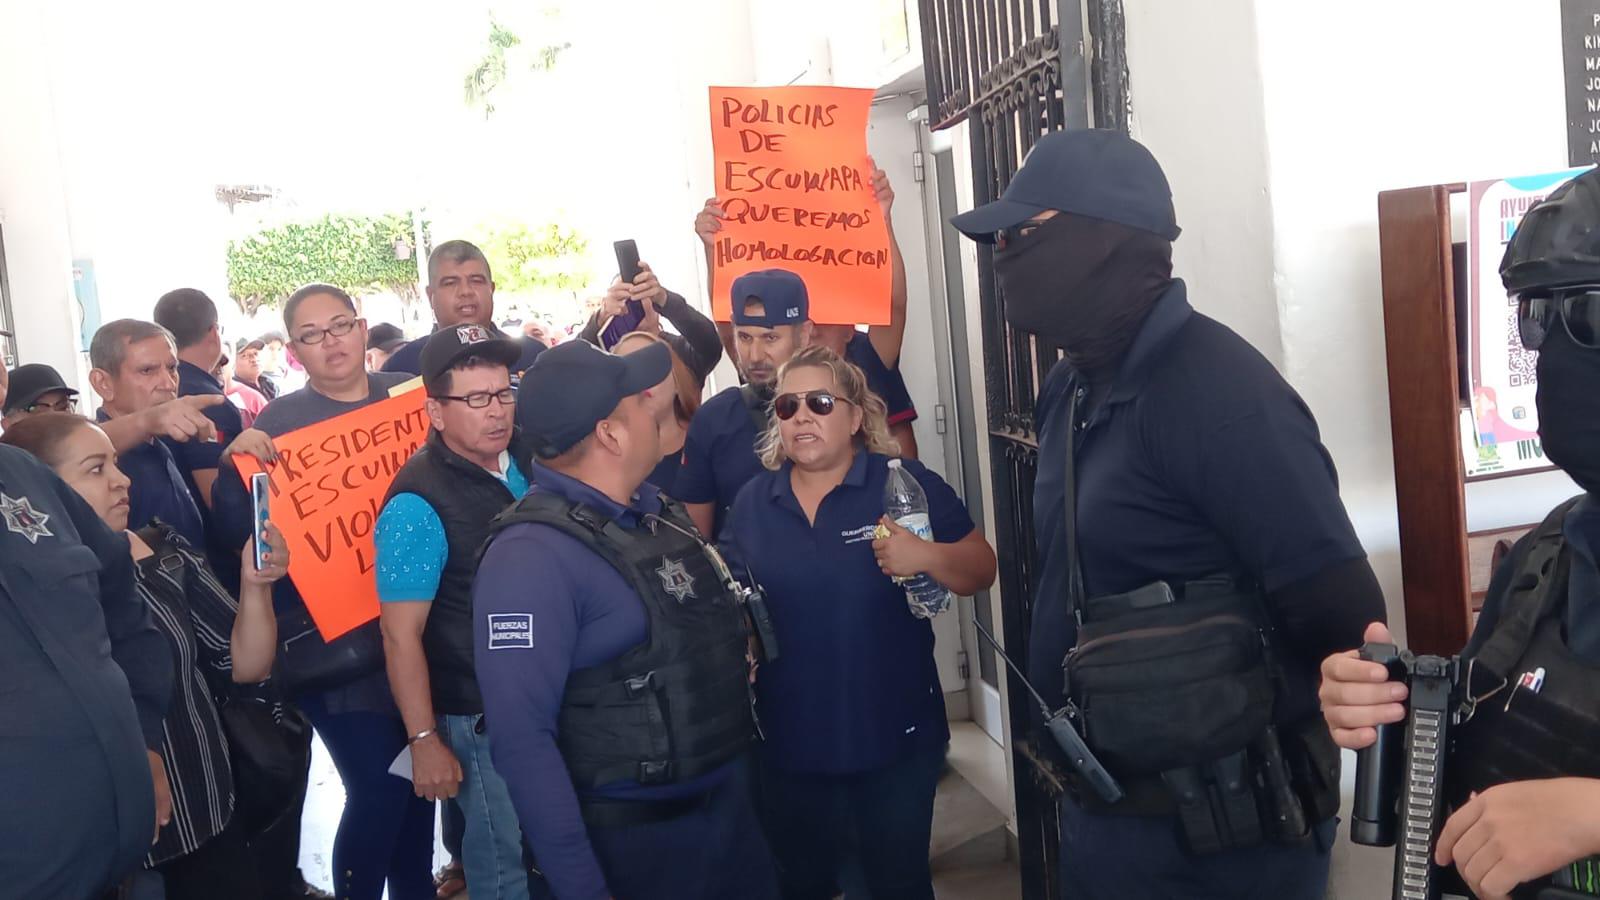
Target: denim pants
[(491, 847)]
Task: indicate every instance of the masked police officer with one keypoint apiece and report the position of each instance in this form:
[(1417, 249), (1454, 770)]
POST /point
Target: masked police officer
[(1523, 778), (611, 652), (85, 688), (1186, 509)]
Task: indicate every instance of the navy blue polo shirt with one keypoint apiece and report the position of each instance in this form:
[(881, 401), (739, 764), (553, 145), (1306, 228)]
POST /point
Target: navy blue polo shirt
[(408, 359), (882, 380), (1200, 460), (855, 686), (665, 475), (194, 456), (158, 489), (719, 454), (578, 612)]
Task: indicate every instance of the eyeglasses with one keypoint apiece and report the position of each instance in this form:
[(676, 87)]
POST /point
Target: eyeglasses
[(64, 405), (480, 399), (820, 403), (339, 328), (1578, 309)]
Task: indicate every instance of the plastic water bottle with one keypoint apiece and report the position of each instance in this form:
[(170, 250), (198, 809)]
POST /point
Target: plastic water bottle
[(907, 505)]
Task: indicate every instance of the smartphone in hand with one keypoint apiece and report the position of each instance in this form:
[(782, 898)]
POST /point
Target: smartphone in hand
[(260, 492), (627, 260)]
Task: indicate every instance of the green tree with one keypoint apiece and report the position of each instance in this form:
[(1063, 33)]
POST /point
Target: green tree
[(356, 253), (504, 55), (537, 259)]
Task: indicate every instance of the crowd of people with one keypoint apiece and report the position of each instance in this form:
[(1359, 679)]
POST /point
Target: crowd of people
[(638, 645)]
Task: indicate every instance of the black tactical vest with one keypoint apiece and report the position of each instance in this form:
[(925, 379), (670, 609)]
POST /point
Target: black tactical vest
[(678, 705), (1518, 731), (466, 498)]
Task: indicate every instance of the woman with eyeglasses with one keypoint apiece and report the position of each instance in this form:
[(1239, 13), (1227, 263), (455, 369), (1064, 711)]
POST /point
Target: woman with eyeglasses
[(677, 400), (385, 836), (216, 641), (852, 709)]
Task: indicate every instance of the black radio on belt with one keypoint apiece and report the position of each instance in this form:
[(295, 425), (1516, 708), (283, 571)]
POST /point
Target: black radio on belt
[(755, 603)]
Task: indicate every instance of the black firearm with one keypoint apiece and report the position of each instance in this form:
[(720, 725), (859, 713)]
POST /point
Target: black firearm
[(1400, 778), (1062, 732)]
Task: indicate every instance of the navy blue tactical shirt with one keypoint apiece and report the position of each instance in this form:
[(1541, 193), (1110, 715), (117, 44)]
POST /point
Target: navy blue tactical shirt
[(855, 686), (159, 489), (85, 679), (719, 455), (882, 380), (408, 359), (578, 612), (1201, 460), (1582, 615)]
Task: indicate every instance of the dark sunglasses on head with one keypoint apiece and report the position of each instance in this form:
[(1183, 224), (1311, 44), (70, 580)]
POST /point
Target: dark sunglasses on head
[(1576, 309), (820, 403)]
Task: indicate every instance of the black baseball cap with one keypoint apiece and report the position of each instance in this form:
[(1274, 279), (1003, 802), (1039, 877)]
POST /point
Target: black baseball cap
[(575, 384), (386, 337), (1090, 172), (449, 345), (30, 382), (782, 294)]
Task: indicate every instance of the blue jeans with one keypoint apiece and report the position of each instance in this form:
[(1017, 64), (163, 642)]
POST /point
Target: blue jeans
[(491, 847)]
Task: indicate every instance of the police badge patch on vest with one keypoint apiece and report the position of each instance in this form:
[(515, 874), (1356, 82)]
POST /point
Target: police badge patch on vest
[(510, 631), (676, 579), (21, 518)]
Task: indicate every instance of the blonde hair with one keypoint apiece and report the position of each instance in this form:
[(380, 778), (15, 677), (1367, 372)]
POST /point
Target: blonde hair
[(851, 385)]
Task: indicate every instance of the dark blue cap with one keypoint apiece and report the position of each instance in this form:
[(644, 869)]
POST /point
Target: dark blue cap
[(1088, 172), (782, 294), (573, 385)]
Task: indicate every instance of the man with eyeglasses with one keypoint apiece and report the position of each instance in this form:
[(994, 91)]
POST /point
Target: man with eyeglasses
[(1522, 778), (435, 518), (385, 832), (36, 388)]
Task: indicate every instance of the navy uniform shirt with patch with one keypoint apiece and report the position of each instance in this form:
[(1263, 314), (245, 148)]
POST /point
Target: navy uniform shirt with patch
[(855, 686), (719, 454), (1200, 460), (544, 605)]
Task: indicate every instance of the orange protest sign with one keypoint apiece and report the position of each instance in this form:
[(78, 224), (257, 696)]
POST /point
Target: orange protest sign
[(793, 177), (327, 491)]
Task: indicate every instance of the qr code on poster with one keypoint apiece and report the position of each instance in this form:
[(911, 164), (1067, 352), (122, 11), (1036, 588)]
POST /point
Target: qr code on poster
[(1521, 363)]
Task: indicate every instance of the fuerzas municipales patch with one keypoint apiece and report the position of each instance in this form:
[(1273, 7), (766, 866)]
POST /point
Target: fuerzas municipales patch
[(510, 631)]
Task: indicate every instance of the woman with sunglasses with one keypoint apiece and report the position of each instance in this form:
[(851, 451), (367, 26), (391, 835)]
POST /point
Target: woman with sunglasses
[(852, 709), (216, 641), (678, 399)]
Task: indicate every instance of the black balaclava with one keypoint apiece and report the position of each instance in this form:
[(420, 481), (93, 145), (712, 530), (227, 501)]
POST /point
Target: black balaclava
[(1568, 401), (1086, 284)]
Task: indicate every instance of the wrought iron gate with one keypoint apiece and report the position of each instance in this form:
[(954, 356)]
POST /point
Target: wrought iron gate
[(1015, 70)]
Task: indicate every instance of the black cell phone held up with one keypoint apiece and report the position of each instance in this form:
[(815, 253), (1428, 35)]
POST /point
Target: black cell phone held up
[(627, 260)]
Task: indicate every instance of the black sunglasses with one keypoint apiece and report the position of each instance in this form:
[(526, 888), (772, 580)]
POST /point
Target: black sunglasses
[(1577, 309), (820, 403)]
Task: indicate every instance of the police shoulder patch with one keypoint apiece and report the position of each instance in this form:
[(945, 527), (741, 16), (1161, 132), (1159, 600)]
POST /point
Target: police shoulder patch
[(510, 631)]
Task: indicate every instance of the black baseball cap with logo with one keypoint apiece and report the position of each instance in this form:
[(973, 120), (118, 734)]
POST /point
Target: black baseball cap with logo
[(782, 294), (454, 343), (32, 381)]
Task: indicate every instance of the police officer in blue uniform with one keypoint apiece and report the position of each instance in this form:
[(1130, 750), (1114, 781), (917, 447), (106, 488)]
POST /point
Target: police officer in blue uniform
[(771, 322), (1523, 777), (611, 652), (1181, 481), (84, 684)]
